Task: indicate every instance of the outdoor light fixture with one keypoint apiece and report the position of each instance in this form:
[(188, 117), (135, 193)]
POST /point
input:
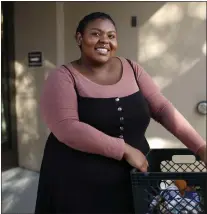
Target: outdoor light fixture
[(202, 107)]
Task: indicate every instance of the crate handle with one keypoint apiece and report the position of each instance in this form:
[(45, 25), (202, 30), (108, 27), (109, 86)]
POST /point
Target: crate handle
[(184, 159)]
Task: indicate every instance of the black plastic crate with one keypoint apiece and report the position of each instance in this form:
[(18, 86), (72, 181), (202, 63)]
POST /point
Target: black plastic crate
[(154, 191)]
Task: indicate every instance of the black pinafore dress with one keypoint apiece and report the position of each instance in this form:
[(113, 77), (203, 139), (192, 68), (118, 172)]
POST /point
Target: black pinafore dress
[(75, 182)]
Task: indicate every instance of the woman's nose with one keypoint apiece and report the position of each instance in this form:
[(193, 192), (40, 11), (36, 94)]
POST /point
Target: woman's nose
[(104, 38)]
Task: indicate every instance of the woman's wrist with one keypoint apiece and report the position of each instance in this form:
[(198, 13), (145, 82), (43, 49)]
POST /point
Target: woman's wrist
[(201, 149), (202, 153), (127, 148)]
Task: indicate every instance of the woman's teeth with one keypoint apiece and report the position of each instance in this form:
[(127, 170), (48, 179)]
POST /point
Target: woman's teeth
[(102, 50)]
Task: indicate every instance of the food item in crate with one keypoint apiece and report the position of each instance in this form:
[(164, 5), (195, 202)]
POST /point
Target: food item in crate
[(181, 185), (177, 198)]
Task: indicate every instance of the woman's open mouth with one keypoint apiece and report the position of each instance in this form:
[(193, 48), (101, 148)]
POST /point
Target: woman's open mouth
[(102, 51)]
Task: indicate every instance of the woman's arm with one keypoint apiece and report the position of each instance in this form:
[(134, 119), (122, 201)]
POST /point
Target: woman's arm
[(59, 111), (166, 114)]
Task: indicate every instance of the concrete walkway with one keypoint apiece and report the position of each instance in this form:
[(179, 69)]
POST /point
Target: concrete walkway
[(19, 188)]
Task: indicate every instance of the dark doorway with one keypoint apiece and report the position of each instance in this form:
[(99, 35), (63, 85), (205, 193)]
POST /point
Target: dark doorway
[(8, 111)]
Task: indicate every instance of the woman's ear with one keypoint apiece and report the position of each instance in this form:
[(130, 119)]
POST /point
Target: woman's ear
[(78, 39)]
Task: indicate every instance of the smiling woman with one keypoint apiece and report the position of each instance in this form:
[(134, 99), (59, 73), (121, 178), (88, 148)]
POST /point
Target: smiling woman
[(97, 40), (98, 126)]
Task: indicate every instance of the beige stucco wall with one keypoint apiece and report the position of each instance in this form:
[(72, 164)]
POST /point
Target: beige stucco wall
[(35, 30), (168, 42)]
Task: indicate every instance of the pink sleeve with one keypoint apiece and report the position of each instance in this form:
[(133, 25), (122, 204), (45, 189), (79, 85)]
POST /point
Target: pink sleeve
[(59, 110), (166, 114)]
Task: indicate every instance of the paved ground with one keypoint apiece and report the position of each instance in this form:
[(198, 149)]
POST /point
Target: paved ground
[(19, 187)]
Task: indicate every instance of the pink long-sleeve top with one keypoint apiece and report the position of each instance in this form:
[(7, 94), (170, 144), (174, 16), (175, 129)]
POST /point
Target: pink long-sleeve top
[(59, 110)]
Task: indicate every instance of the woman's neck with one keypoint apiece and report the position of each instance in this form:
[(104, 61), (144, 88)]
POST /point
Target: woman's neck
[(90, 66)]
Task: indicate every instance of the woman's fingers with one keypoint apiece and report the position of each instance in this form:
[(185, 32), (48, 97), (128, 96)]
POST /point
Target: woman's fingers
[(144, 167), (136, 158)]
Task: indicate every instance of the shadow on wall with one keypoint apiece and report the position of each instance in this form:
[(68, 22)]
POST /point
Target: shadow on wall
[(36, 32), (172, 49), (32, 132)]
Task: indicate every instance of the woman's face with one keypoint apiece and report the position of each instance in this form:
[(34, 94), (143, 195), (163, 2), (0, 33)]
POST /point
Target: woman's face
[(99, 41)]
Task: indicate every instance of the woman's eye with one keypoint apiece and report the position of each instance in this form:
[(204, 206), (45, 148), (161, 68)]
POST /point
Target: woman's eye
[(95, 34), (111, 36)]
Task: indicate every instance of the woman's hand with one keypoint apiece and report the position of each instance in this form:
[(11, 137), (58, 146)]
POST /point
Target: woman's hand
[(135, 158), (202, 152)]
